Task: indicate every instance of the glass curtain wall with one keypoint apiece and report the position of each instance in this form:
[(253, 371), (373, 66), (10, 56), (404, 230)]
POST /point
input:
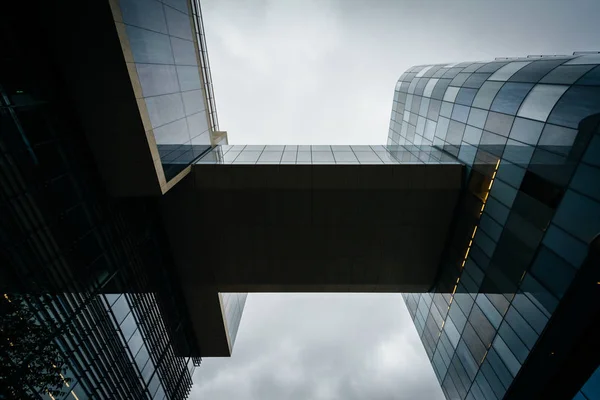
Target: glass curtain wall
[(527, 129)]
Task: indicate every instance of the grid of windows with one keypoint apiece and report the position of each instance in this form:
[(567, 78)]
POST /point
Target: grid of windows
[(297, 154), (527, 130), (167, 60), (63, 235)]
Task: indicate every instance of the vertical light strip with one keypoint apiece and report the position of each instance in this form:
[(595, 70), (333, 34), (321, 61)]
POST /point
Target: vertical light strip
[(473, 235)]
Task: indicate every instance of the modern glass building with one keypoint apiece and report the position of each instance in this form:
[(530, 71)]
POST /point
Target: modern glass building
[(96, 266), (136, 231), (517, 292)]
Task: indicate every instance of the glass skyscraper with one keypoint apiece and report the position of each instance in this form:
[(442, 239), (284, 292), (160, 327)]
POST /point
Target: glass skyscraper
[(527, 130), (92, 265)]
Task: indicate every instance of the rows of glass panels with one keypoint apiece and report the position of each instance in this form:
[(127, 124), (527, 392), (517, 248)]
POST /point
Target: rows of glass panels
[(95, 367), (533, 173), (150, 351), (163, 56), (132, 338), (297, 154)]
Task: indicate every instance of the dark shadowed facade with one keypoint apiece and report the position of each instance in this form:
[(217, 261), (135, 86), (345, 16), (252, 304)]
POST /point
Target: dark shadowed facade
[(125, 211)]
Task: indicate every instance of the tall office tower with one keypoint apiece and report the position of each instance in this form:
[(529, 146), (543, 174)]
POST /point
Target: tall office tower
[(514, 313), (84, 88)]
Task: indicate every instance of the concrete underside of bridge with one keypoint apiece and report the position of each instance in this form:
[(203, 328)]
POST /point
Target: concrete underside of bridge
[(305, 228)]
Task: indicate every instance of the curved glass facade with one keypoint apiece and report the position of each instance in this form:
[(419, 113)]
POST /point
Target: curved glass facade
[(527, 129)]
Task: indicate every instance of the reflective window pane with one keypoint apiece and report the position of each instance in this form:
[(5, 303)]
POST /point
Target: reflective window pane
[(172, 133), (424, 107), (507, 356), (142, 357), (193, 101), (157, 79), (455, 132), (535, 318), (473, 67), (270, 156), (429, 88), (120, 309), (577, 103), (178, 24), (446, 109), (486, 94), (465, 96), (144, 14), (510, 96), (578, 215), (452, 72), (565, 245), (566, 74), (515, 344), (540, 100), (585, 59), (459, 79), (477, 117), (460, 113), (164, 109), (552, 272), (422, 72), (492, 67), (181, 5), (421, 86), (440, 89), (189, 78), (476, 80), (508, 70), (341, 157), (557, 139), (472, 135), (413, 85), (585, 181), (526, 131), (128, 326), (183, 51), (521, 327), (451, 94), (535, 71), (434, 109), (149, 47), (499, 123), (481, 325), (591, 78), (489, 310)]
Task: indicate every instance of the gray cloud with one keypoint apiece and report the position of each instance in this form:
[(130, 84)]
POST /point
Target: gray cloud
[(321, 346), (324, 71)]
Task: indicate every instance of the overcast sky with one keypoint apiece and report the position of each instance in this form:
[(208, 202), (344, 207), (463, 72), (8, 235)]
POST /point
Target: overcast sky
[(321, 346), (323, 72)]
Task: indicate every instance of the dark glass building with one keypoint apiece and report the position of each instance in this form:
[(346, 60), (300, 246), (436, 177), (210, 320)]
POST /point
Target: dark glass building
[(96, 266), (514, 310)]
